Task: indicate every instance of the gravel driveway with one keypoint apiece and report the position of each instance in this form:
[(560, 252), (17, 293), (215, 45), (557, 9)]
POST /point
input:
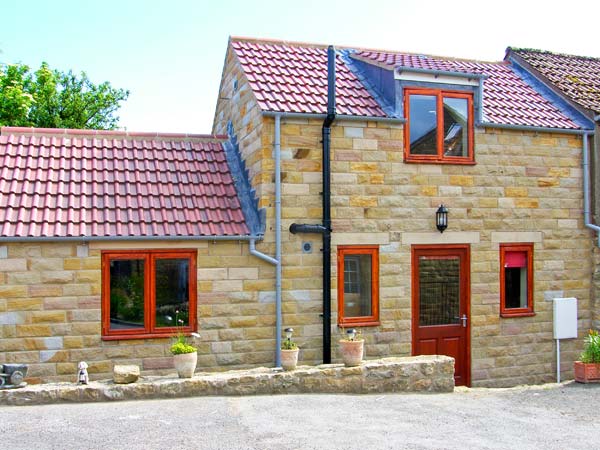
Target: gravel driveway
[(564, 417)]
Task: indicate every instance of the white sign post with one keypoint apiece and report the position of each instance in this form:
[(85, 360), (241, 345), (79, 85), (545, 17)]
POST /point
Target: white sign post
[(565, 324)]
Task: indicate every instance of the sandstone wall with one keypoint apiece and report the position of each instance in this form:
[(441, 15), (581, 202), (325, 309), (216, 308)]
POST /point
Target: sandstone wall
[(50, 311), (524, 187)]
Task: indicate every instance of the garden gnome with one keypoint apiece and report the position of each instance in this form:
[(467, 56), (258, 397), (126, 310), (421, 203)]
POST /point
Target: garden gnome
[(82, 376)]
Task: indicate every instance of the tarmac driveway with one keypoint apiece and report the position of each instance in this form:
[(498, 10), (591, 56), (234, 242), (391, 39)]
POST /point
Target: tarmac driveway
[(549, 417)]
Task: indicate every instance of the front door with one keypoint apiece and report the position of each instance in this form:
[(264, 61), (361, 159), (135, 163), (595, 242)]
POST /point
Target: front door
[(441, 297)]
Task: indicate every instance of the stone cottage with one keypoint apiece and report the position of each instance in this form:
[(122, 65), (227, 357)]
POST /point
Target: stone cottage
[(576, 81), (435, 204), (411, 133), (108, 242)]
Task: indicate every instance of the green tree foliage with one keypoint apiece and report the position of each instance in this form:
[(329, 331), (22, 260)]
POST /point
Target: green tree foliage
[(52, 99)]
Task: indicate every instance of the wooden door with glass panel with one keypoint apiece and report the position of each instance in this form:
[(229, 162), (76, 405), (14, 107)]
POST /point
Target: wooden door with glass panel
[(440, 294)]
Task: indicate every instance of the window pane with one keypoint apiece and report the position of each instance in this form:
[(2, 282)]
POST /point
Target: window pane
[(172, 292), (439, 291), (423, 124), (126, 294), (357, 285), (455, 127), (515, 287)]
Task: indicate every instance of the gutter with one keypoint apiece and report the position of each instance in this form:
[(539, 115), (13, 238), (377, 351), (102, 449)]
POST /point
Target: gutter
[(318, 116), (586, 188), (533, 128), (128, 238)]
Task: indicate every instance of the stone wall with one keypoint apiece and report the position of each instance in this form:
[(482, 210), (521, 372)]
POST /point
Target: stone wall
[(237, 106), (419, 374), (524, 187), (50, 311), (50, 297)]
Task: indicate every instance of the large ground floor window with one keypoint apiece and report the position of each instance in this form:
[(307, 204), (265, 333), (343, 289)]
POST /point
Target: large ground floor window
[(148, 293)]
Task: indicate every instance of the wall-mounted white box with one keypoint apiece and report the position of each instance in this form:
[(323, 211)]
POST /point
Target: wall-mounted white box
[(565, 318)]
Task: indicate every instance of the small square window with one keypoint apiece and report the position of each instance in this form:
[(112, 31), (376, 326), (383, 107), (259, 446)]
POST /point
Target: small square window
[(440, 126), (358, 285), (516, 280)]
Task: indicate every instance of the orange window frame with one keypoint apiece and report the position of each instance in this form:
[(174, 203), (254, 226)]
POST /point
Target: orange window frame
[(360, 321), (150, 329), (439, 157), (516, 312)]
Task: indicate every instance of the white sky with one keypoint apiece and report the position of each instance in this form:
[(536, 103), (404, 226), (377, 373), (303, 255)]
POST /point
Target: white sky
[(170, 54)]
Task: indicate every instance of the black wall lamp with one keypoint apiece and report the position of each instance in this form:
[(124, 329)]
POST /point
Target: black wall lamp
[(441, 218)]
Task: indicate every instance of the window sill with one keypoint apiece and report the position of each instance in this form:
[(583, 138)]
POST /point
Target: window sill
[(119, 337), (517, 314), (463, 162), (359, 324)]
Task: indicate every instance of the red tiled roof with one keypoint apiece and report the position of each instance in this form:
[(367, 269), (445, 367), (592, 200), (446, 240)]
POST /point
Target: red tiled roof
[(507, 98), (293, 78), (82, 183), (578, 77)]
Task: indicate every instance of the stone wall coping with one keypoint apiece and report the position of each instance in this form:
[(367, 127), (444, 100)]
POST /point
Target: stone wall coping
[(430, 373)]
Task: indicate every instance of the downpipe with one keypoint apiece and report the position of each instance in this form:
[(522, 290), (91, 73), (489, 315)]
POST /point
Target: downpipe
[(277, 260), (586, 187), (325, 228)]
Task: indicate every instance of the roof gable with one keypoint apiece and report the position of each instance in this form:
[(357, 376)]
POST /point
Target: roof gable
[(82, 183), (576, 77), (293, 78)]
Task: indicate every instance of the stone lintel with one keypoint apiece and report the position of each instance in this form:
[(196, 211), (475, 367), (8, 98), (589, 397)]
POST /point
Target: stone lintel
[(516, 236), (435, 237), (360, 238), (136, 245)]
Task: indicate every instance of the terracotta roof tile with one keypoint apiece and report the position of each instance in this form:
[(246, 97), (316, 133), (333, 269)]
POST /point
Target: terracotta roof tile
[(291, 78), (507, 98), (578, 77), (74, 183)]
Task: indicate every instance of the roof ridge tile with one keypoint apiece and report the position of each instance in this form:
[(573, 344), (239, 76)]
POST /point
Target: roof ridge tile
[(68, 132)]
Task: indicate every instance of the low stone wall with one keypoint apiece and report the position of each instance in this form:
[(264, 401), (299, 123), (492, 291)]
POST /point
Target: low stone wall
[(411, 374)]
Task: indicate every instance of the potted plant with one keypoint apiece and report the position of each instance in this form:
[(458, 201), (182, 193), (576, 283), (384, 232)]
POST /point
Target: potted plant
[(587, 370), (352, 348), (185, 355), (289, 351)]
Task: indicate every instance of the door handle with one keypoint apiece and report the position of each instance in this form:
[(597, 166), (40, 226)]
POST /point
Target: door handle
[(464, 319)]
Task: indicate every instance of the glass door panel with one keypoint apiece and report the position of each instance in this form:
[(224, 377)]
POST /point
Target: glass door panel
[(439, 290)]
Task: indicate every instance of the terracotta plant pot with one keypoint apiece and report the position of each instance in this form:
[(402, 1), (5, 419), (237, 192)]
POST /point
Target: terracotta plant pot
[(289, 359), (587, 372), (352, 352), (185, 364)]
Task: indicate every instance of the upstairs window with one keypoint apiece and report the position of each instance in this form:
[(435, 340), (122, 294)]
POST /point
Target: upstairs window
[(516, 280), (358, 285), (145, 293), (440, 126)]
